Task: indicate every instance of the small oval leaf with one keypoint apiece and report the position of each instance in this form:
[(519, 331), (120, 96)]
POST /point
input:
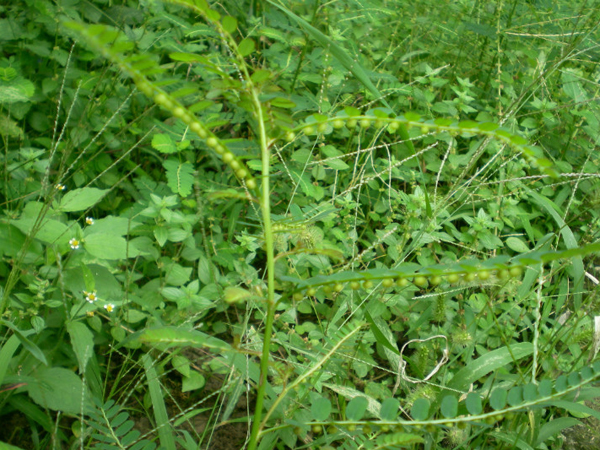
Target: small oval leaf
[(498, 398), (320, 409), (449, 407), (473, 403), (515, 396), (355, 410), (389, 409), (246, 47), (420, 409)]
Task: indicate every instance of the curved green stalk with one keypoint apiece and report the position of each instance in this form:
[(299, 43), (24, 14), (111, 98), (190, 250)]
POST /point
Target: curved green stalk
[(265, 206)]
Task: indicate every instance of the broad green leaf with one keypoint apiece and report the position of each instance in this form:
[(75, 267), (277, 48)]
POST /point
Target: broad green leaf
[(569, 240), (106, 246), (60, 390), (81, 199), (517, 244), (29, 345), (373, 406), (235, 294), (193, 381), (488, 363), (555, 426), (16, 90), (82, 341), (575, 407), (379, 336), (177, 337), (7, 351)]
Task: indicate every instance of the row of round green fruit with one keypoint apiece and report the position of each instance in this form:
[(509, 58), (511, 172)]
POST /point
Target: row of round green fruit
[(369, 427), (162, 99), (421, 281)]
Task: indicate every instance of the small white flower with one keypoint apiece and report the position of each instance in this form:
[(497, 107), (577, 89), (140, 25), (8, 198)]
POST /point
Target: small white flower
[(109, 307), (74, 243), (60, 187), (89, 221), (91, 296)]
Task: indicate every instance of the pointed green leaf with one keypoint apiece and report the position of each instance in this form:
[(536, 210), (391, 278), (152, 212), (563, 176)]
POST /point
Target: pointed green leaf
[(488, 363), (82, 341), (81, 199)]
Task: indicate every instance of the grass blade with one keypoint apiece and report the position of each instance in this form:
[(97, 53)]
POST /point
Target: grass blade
[(165, 433)]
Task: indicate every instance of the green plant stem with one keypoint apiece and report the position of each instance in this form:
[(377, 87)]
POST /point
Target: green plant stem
[(265, 205)]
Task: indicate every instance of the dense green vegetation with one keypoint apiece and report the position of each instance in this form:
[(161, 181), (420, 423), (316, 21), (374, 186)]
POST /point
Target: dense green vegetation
[(301, 224)]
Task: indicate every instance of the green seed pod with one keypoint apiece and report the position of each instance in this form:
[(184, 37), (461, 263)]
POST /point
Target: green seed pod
[(338, 287), (290, 136), (379, 123), (317, 429), (298, 296), (387, 282), (338, 123), (220, 149), (328, 289), (402, 282), (503, 274), (516, 271), (242, 173), (351, 123), (393, 127), (227, 157), (355, 285), (420, 281), (368, 284), (453, 278), (483, 275), (311, 292), (491, 420), (161, 99), (470, 277), (322, 127), (435, 280), (309, 130), (235, 164), (212, 142), (251, 183), (179, 112), (365, 123)]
